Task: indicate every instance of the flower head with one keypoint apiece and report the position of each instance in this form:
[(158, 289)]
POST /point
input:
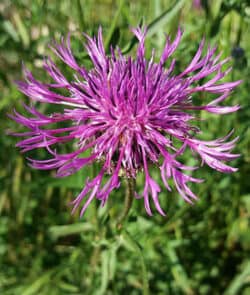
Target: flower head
[(128, 113)]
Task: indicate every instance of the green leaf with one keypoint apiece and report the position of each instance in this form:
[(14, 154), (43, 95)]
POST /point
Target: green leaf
[(58, 231), (133, 245), (112, 33), (69, 288), (157, 23), (239, 281), (10, 30), (22, 29), (165, 17), (113, 259), (38, 284), (104, 273), (178, 271)]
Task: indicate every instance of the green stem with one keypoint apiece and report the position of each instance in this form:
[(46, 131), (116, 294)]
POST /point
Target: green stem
[(135, 246), (130, 190), (144, 274)]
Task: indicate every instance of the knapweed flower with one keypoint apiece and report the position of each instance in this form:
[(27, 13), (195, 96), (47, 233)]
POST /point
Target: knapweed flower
[(128, 113)]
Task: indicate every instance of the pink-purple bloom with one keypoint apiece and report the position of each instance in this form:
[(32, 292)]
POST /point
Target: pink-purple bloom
[(197, 4), (128, 113)]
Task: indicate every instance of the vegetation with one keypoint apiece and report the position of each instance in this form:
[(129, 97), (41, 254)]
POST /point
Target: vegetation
[(199, 249)]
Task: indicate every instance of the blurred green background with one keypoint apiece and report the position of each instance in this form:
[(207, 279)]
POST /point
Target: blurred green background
[(200, 249)]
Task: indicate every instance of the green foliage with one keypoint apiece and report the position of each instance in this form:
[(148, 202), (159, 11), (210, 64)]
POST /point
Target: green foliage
[(200, 249)]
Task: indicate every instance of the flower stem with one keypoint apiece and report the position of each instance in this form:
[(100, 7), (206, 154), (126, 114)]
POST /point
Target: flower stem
[(130, 190)]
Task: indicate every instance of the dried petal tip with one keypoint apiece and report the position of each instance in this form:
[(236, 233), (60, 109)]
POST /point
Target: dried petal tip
[(127, 113)]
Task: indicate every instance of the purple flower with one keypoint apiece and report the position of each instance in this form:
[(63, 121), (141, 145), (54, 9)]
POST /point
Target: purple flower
[(197, 4), (128, 113)]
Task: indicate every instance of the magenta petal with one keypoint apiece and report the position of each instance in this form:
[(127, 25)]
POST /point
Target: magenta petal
[(126, 113)]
